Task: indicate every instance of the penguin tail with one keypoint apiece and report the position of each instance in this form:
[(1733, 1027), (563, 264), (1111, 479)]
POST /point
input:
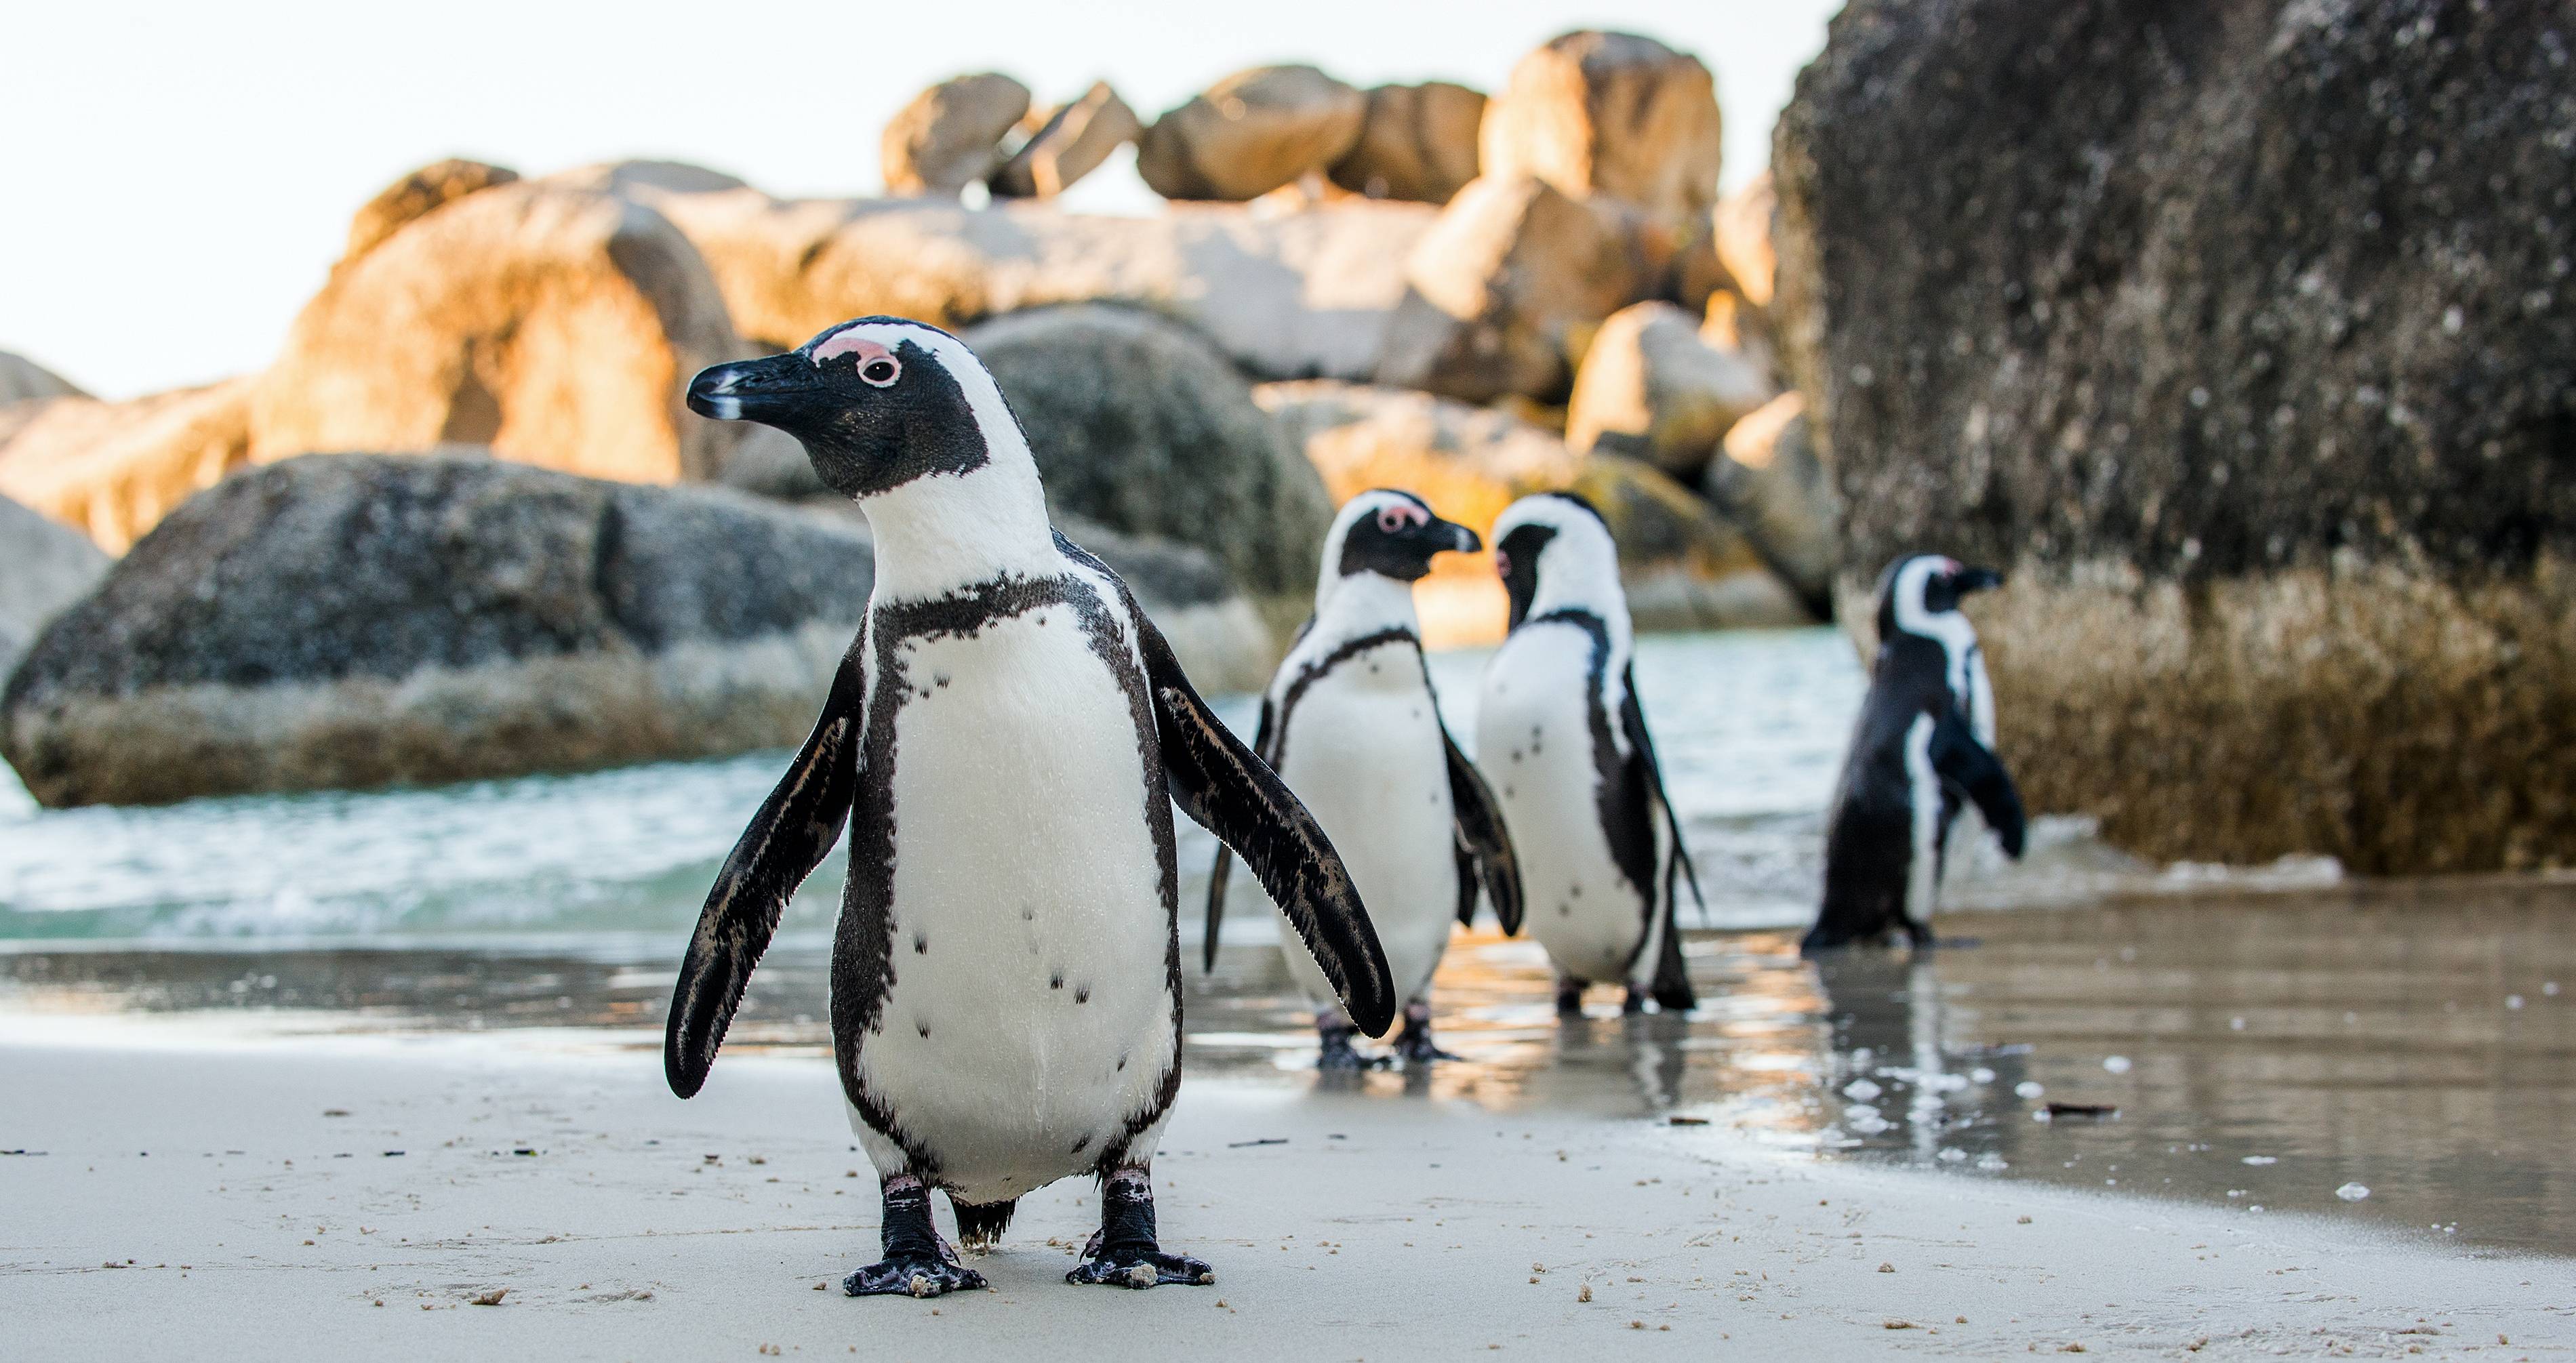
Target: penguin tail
[(980, 1224)]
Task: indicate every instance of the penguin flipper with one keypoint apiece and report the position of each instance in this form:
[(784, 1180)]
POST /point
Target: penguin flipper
[(1641, 747), (1974, 768), (1483, 840), (1224, 867), (795, 827), (1235, 795)]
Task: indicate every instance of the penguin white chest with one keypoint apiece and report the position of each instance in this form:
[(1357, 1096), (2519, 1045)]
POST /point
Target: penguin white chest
[(1363, 749), (1535, 741), (1029, 1015)]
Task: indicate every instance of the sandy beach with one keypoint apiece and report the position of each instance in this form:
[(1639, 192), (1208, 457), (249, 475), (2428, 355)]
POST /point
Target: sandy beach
[(221, 1197)]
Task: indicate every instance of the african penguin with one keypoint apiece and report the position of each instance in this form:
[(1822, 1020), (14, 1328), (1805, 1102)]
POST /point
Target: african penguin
[(1563, 742), (1924, 743), (1350, 722), (1006, 986)]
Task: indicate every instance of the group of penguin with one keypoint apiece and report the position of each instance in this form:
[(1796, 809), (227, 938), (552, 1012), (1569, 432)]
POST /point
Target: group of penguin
[(1008, 735)]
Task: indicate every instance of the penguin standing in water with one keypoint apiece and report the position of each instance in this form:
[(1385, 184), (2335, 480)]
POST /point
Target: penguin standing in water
[(1006, 982), (1563, 742), (1350, 722), (1924, 745)]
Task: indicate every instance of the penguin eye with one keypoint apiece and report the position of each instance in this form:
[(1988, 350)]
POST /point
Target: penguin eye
[(881, 372), (1390, 520)]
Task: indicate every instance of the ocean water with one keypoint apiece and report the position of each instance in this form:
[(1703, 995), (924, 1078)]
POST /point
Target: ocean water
[(1751, 727)]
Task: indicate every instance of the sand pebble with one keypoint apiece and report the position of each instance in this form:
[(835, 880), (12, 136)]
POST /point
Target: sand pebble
[(2352, 1192)]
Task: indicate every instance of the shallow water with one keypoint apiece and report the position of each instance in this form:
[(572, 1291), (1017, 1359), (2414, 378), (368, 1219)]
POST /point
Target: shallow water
[(2262, 1049)]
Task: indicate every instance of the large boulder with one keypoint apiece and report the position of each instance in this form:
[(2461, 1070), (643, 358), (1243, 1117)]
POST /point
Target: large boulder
[(1743, 225), (24, 380), (1611, 114), (1684, 567), (558, 326), (1416, 142), (356, 620), (1653, 388), (950, 135), (432, 186), (1770, 482), (1250, 133), (1289, 295), (112, 470), (1069, 142), (2237, 331), (48, 566), (1141, 426), (1505, 290)]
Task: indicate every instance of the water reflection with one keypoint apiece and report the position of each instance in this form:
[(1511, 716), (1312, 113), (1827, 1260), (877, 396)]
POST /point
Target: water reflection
[(2414, 1040)]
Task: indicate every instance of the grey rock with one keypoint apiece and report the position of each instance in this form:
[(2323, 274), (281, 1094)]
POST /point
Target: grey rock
[(44, 567), (2238, 330), (1771, 483), (1655, 387), (1416, 142), (1068, 143), (950, 135), (1140, 425), (1250, 133), (430, 187), (1613, 114), (24, 380), (358, 620)]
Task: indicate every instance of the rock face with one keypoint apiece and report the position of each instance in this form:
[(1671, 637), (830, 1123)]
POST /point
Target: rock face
[(23, 380), (950, 135), (1504, 290), (1068, 143), (1769, 481), (113, 469), (1743, 230), (2238, 329), (1611, 114), (358, 620), (48, 566), (557, 326), (1416, 142), (1684, 568), (1652, 388), (431, 186), (1291, 295), (1251, 133), (1138, 425)]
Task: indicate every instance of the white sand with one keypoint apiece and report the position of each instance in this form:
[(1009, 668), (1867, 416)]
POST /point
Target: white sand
[(1384, 1228)]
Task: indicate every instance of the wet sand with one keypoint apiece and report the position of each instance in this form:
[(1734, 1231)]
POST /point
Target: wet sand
[(244, 1194), (2260, 1052)]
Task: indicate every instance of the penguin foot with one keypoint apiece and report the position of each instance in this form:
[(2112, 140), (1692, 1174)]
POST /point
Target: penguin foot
[(1337, 1053), (1122, 1253), (919, 1261), (1414, 1044), (1569, 998), (1139, 1267), (913, 1275)]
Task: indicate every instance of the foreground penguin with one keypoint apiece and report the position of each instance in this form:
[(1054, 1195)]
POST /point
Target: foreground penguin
[(1563, 742), (1006, 985), (1350, 722), (1925, 739)]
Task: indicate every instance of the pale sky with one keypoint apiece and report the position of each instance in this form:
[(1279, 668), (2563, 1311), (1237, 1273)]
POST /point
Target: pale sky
[(182, 175)]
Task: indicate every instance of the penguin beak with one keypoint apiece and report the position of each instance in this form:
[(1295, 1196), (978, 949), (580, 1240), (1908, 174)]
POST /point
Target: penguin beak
[(1460, 539), (755, 390), (1978, 580)]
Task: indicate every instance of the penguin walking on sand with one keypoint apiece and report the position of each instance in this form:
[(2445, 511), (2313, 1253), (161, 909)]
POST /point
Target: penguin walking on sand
[(1924, 746), (1350, 722), (1563, 742), (1006, 981)]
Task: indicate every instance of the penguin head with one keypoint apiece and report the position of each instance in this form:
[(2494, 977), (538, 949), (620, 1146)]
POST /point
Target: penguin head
[(1557, 542), (1920, 594), (1392, 534), (877, 403)]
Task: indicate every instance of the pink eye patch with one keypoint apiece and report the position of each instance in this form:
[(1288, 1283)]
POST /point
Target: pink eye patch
[(1393, 519), (851, 343)]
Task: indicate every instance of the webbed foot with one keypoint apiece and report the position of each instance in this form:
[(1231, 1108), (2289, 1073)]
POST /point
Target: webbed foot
[(1122, 1253), (1337, 1053), (918, 1261), (1414, 1044), (913, 1275)]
